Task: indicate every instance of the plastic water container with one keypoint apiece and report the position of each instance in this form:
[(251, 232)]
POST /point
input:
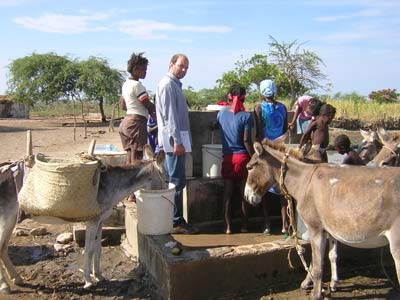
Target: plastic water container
[(212, 160), (155, 210), (110, 155), (107, 147), (301, 228)]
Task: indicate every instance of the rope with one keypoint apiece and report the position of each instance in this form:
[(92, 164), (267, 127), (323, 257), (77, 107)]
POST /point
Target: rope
[(395, 153), (85, 157), (292, 226), (290, 211)]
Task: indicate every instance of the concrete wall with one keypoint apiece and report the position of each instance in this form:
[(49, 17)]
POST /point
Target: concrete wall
[(203, 201), (201, 135)]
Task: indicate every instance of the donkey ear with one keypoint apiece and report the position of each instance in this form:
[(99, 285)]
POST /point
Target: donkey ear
[(258, 148), (374, 136), (147, 152), (366, 134), (160, 157), (281, 139), (382, 134)]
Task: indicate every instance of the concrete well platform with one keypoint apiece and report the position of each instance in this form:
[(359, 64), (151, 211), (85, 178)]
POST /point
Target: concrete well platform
[(212, 264)]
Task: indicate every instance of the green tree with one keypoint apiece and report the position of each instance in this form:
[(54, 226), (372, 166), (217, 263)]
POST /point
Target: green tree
[(384, 96), (49, 78), (210, 96), (198, 100), (70, 78), (36, 78), (249, 73), (301, 67), (99, 82)]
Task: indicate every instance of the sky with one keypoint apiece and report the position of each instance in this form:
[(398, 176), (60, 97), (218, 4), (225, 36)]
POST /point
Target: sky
[(358, 40)]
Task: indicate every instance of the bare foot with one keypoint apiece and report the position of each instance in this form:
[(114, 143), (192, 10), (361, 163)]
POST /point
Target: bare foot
[(228, 231)]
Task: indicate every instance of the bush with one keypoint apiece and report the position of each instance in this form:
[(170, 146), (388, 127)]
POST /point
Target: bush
[(384, 96)]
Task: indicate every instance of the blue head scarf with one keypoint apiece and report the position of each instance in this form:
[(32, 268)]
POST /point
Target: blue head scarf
[(268, 88)]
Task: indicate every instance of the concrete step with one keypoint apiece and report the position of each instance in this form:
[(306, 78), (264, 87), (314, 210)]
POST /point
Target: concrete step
[(111, 236)]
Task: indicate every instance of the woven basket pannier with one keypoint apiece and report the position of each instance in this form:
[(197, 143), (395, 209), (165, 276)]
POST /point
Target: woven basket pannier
[(66, 189)]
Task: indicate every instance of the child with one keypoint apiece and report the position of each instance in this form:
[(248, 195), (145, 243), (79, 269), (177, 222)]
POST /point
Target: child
[(271, 123), (235, 125), (135, 100), (302, 115), (317, 132), (313, 108), (342, 145), (152, 133)]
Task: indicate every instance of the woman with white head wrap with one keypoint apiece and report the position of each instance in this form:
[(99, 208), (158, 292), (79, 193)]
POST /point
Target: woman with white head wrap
[(271, 116)]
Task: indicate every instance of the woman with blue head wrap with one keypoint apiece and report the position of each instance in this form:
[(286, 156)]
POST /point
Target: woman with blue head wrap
[(271, 122)]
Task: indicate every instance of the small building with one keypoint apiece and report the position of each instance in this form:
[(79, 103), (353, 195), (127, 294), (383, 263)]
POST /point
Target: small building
[(11, 109)]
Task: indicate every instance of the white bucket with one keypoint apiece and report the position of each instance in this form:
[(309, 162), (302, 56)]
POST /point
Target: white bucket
[(155, 210), (301, 228), (212, 160)]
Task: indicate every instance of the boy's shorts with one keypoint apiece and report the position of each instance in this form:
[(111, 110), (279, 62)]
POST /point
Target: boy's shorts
[(234, 166)]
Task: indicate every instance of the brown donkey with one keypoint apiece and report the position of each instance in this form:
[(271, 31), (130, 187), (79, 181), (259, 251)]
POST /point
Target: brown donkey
[(116, 182), (357, 205)]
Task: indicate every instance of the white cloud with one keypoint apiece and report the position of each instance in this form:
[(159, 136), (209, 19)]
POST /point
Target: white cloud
[(16, 2), (346, 36), (65, 24), (374, 31), (367, 20), (330, 18), (362, 9), (148, 29)]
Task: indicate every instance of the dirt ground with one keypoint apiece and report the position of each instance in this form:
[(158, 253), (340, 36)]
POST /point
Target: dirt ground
[(56, 275)]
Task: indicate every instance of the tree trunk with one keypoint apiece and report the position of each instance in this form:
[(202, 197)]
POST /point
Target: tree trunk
[(111, 125), (292, 101), (73, 100), (103, 116), (83, 117)]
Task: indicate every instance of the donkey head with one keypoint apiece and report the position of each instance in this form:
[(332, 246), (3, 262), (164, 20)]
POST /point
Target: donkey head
[(390, 152), (369, 146), (157, 178), (260, 177)]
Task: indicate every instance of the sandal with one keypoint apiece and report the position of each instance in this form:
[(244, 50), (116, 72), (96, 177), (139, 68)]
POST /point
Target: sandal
[(267, 231)]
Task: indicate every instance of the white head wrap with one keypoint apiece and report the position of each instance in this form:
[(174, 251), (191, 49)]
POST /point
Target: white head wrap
[(268, 88)]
